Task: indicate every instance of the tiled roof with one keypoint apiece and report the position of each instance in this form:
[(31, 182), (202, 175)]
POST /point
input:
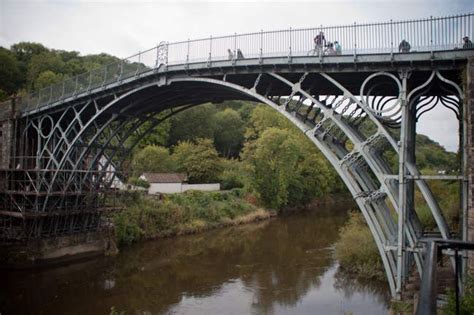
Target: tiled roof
[(165, 177)]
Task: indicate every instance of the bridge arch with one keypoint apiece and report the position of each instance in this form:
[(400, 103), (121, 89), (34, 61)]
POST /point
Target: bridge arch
[(332, 122)]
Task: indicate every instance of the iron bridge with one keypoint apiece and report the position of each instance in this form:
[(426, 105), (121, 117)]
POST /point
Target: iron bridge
[(69, 141)]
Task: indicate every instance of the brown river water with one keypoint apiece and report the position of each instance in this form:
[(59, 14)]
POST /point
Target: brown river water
[(280, 266)]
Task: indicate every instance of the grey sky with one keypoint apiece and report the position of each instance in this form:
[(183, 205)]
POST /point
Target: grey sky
[(122, 28)]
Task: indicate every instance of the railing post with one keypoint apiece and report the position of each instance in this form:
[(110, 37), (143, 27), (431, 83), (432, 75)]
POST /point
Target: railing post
[(77, 83), (210, 51), (187, 53), (167, 45), (50, 93), (235, 45), (90, 81), (138, 63), (355, 41), (105, 76), (261, 46), (64, 87), (289, 49), (157, 61), (431, 33), (391, 36), (121, 71)]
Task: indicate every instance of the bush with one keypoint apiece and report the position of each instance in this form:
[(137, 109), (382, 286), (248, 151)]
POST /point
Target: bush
[(356, 249), (466, 304), (189, 212), (136, 181)]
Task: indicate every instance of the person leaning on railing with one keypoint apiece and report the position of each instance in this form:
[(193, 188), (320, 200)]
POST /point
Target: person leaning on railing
[(467, 43)]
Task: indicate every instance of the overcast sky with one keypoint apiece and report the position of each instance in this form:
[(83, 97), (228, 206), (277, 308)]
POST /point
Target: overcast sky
[(122, 28)]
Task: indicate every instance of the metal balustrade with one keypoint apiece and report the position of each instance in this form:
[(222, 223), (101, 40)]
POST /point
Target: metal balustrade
[(424, 35)]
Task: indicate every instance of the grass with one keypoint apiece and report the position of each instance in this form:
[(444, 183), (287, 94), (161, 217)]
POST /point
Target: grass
[(191, 212)]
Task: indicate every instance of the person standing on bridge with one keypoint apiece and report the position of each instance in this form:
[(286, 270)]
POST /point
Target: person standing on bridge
[(319, 43), (231, 54), (467, 43), (338, 48), (404, 47), (240, 55)]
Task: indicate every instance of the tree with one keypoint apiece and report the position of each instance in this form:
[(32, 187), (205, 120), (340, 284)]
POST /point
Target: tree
[(41, 63), (47, 78), (10, 76), (24, 51), (229, 132), (152, 159), (274, 163), (262, 118), (199, 160), (157, 136), (192, 124)]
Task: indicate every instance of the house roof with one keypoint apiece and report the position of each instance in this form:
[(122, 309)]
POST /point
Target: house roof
[(165, 177)]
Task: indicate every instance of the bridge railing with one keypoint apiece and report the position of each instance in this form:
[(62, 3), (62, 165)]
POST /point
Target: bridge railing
[(431, 34)]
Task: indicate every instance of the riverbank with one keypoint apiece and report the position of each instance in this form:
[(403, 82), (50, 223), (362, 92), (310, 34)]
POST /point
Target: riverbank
[(149, 217)]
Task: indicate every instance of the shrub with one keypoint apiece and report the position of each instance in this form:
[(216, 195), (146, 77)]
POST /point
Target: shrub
[(356, 249), (190, 212), (466, 304)]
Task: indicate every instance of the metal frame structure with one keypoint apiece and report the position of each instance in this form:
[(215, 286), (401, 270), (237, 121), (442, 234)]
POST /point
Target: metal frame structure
[(357, 109)]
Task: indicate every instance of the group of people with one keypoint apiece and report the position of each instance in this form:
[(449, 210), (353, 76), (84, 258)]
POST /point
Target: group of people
[(331, 48), (336, 49), (405, 47)]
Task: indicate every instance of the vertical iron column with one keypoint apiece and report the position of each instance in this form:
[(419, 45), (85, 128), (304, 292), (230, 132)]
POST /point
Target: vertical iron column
[(464, 147), (410, 158), (403, 187)]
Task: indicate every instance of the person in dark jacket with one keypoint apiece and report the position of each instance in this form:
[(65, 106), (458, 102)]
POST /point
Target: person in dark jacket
[(404, 46)]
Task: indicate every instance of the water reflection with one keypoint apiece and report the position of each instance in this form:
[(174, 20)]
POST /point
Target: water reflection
[(280, 266)]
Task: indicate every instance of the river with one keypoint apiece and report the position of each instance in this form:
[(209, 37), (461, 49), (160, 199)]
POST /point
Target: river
[(280, 266)]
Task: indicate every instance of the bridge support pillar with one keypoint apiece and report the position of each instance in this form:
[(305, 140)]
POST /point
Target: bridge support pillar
[(469, 103), (405, 185)]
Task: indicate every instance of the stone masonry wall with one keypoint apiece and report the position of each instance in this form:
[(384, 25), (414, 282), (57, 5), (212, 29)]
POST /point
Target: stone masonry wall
[(6, 132)]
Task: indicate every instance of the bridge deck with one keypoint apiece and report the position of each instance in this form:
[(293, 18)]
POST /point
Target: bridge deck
[(352, 67)]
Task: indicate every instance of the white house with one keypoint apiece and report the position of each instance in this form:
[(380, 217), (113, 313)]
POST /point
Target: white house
[(169, 183)]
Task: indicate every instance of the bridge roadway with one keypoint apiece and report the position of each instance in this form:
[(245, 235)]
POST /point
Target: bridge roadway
[(65, 146)]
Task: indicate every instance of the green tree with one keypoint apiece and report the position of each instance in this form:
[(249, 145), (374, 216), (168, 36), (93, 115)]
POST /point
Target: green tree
[(156, 136), (10, 76), (192, 124), (41, 63), (199, 160), (229, 132), (47, 78), (311, 179), (152, 159), (274, 162), (24, 51), (262, 118)]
